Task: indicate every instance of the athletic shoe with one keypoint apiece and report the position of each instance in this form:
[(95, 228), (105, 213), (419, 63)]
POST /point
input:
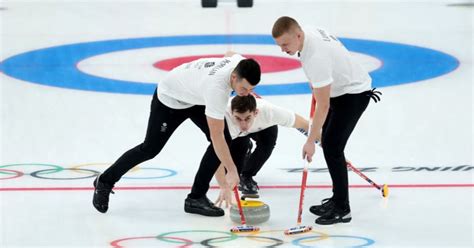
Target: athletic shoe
[(326, 205), (101, 195), (336, 215), (202, 206), (248, 186)]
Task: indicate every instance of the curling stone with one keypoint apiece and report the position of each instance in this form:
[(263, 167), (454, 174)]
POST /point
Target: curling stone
[(255, 212)]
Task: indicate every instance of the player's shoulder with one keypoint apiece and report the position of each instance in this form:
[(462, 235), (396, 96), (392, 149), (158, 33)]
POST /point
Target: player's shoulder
[(262, 102), (237, 57), (265, 107)]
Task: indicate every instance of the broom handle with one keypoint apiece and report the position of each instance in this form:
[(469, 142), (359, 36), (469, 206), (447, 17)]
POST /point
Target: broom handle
[(239, 205), (305, 168), (303, 188), (358, 172)]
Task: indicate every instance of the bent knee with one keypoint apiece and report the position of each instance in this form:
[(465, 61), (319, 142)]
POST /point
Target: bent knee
[(149, 151)]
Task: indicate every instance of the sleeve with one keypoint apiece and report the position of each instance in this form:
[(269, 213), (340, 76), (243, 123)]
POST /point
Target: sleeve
[(215, 96), (216, 102), (237, 57), (281, 116), (318, 70)]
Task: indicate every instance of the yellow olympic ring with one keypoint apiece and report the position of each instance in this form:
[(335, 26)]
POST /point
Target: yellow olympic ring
[(322, 236), (76, 167)]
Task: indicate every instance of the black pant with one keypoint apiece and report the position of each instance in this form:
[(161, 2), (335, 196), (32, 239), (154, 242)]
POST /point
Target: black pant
[(344, 113), (162, 122), (265, 140)]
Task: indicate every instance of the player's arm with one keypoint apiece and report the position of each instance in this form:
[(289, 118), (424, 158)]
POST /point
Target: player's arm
[(225, 194), (220, 176), (287, 118), (301, 123), (322, 95), (216, 128)]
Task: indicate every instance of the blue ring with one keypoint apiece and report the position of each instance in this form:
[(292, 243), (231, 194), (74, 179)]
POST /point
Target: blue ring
[(56, 66), (171, 173), (368, 241)]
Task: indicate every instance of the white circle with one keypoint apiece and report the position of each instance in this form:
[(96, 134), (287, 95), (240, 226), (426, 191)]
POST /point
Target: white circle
[(136, 65)]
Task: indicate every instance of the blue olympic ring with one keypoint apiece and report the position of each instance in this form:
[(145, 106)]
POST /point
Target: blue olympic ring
[(367, 240), (56, 66), (171, 173)]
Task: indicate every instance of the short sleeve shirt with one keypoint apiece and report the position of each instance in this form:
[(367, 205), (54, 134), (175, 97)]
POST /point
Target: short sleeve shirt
[(326, 61), (204, 81), (268, 115)]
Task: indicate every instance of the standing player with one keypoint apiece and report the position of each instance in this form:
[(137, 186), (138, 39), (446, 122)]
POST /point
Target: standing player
[(342, 89), (198, 90)]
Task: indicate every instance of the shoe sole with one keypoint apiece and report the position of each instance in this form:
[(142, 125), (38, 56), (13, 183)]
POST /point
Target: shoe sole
[(201, 212), (253, 196), (346, 220), (97, 208)]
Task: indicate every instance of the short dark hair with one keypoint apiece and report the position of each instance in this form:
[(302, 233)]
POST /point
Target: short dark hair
[(283, 25), (250, 70), (242, 104)]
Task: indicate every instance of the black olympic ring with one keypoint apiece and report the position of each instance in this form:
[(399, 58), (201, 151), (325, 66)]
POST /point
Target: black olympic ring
[(278, 242), (35, 174)]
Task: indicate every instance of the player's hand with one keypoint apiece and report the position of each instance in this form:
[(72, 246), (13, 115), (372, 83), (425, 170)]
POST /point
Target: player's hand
[(308, 151), (225, 196)]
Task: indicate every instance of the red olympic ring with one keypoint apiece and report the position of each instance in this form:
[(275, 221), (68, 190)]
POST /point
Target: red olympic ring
[(18, 174), (115, 243)]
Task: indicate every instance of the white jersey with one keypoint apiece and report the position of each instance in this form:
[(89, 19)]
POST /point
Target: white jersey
[(268, 115), (326, 61), (204, 81)]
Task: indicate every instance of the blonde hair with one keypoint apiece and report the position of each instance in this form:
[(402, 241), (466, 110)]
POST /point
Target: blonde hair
[(283, 25)]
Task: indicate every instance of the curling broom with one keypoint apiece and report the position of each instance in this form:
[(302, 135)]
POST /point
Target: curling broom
[(301, 228), (383, 188), (243, 227)]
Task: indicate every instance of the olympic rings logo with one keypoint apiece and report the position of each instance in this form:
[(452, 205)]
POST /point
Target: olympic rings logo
[(310, 239), (57, 172)]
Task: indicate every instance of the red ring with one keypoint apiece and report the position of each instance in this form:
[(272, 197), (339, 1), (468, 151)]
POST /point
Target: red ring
[(115, 243), (18, 174), (267, 63)]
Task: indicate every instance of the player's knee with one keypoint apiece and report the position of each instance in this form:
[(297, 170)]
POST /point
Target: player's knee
[(332, 150), (149, 151), (266, 144)]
